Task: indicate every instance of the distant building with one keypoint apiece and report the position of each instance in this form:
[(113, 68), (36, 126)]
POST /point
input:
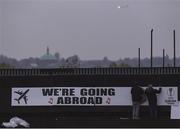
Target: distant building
[(34, 65), (49, 60), (49, 57)]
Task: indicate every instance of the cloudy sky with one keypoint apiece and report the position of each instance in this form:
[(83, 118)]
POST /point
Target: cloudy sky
[(91, 29)]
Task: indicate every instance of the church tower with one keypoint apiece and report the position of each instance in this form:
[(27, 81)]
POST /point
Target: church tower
[(48, 56), (47, 50)]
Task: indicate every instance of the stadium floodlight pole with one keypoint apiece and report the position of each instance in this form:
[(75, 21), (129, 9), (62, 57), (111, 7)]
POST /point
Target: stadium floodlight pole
[(174, 39), (151, 48), (163, 57), (139, 58)]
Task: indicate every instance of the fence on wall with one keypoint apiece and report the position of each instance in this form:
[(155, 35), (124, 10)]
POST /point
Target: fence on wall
[(91, 71)]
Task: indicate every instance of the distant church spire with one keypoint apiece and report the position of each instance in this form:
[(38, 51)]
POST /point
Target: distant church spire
[(47, 50)]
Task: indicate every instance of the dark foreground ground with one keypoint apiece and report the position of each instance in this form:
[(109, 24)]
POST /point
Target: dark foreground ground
[(99, 122), (94, 121)]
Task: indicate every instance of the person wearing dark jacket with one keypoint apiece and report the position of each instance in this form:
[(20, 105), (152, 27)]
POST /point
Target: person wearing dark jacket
[(136, 94), (152, 99)]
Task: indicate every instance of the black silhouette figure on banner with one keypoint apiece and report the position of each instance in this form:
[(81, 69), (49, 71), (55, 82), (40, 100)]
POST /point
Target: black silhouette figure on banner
[(152, 99)]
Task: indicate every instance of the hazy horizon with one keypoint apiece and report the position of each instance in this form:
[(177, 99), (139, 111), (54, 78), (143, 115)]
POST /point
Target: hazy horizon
[(92, 29)]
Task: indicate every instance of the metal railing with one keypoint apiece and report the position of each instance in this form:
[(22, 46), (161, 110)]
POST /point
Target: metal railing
[(91, 71)]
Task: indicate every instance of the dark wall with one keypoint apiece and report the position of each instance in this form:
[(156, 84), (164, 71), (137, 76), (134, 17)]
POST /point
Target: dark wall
[(6, 83)]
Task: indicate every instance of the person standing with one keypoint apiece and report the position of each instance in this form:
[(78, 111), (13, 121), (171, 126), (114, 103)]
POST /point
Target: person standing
[(152, 99), (136, 94)]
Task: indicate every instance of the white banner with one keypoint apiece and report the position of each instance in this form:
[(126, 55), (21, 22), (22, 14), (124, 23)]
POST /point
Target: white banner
[(175, 111), (84, 96)]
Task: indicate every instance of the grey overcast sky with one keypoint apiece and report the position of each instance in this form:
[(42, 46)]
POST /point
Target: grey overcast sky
[(91, 29)]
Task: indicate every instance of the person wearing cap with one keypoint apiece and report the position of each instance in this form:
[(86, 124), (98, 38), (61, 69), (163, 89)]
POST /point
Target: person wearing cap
[(136, 94), (152, 99)]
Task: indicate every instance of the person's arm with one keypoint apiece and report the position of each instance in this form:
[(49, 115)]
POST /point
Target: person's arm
[(131, 90), (158, 91)]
